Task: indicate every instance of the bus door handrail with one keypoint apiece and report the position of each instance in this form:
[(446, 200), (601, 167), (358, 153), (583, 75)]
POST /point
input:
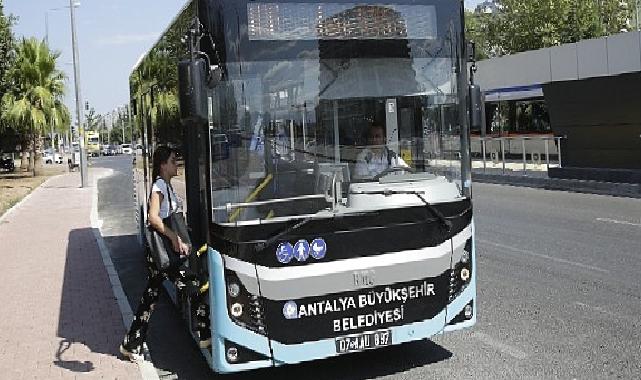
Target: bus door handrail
[(230, 206)]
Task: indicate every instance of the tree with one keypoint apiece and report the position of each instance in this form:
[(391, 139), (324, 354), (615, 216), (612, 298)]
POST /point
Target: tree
[(6, 47), (9, 138), (120, 122), (93, 120), (480, 29), (519, 25), (34, 101)]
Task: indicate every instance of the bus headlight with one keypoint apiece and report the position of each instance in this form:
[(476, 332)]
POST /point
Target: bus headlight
[(233, 289), (236, 310), (461, 272), (232, 354), (465, 274), (244, 308), (468, 311)]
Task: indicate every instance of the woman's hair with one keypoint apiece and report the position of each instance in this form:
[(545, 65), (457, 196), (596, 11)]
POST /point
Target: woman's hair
[(161, 155)]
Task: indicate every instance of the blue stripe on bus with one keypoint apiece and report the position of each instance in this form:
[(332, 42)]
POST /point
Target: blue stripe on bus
[(466, 296), (222, 327)]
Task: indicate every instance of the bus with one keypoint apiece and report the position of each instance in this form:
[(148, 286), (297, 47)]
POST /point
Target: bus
[(93, 143), (309, 252)]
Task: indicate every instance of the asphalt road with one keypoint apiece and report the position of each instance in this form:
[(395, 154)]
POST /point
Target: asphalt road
[(559, 294)]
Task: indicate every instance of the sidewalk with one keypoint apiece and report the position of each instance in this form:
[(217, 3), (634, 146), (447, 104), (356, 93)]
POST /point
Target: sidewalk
[(58, 315), (541, 180)]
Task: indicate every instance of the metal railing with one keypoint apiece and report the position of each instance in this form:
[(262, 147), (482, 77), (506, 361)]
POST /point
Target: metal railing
[(515, 151)]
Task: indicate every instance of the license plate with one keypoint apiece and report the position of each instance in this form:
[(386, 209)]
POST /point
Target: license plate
[(364, 341)]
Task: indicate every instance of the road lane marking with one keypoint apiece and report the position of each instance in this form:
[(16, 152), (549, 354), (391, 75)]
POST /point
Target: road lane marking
[(608, 220), (540, 255), (500, 346)]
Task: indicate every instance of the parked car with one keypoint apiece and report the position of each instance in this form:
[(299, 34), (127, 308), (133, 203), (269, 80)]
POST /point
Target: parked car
[(6, 163), (105, 151), (49, 157), (126, 149)]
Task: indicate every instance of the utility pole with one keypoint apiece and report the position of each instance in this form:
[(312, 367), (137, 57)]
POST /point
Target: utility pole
[(130, 123), (79, 111), (122, 123), (53, 149)]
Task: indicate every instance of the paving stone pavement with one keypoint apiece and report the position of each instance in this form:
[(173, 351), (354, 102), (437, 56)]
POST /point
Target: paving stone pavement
[(59, 318)]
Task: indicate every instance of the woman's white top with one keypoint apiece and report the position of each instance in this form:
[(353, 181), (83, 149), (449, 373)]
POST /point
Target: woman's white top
[(160, 186)]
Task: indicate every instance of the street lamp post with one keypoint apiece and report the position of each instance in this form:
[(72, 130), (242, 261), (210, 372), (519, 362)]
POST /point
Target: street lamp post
[(122, 123), (129, 123), (79, 112)]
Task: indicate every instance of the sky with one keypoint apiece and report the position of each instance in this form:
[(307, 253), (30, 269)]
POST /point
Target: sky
[(112, 35)]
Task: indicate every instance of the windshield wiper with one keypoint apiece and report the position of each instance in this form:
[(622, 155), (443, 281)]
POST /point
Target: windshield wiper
[(447, 225)]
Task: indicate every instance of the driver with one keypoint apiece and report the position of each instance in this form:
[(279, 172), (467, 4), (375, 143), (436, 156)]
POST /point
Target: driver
[(377, 157)]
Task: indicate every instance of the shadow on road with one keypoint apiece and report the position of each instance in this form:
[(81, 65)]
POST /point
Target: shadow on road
[(89, 316), (358, 366)]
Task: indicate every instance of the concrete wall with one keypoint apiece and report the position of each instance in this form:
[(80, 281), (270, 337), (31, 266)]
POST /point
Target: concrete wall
[(613, 55)]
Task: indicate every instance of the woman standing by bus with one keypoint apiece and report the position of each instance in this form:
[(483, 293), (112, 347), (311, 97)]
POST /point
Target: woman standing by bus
[(162, 203)]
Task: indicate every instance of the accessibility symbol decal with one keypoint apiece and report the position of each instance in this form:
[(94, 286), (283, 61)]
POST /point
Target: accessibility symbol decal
[(301, 250), (290, 310), (285, 252), (318, 248)]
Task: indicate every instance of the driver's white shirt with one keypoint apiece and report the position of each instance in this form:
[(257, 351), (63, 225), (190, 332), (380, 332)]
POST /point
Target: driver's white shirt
[(369, 164)]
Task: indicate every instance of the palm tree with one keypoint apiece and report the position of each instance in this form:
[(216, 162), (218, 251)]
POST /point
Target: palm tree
[(35, 99), (60, 118)]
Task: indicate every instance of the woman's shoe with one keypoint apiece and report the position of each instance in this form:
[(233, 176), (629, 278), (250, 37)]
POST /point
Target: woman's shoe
[(131, 355)]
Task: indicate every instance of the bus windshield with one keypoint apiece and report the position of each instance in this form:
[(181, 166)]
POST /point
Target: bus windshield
[(336, 98)]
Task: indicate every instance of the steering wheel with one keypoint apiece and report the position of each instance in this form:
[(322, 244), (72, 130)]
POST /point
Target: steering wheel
[(393, 169)]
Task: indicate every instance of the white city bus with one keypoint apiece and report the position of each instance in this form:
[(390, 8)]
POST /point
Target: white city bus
[(309, 256)]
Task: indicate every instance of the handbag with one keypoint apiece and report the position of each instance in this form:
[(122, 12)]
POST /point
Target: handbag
[(161, 249)]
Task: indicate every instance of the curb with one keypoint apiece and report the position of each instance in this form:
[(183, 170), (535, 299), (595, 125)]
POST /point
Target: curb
[(628, 190), (146, 367)]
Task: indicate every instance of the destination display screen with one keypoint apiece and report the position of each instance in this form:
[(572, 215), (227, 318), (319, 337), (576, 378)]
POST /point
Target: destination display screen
[(340, 21)]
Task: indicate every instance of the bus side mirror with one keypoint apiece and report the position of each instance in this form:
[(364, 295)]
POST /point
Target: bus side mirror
[(192, 92), (476, 104)]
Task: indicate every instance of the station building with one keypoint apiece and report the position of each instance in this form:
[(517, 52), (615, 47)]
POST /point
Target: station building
[(589, 92)]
